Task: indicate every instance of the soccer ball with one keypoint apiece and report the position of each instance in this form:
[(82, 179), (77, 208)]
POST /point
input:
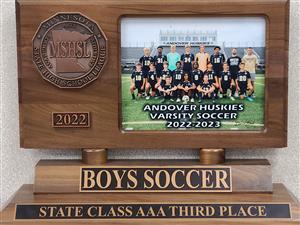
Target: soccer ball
[(185, 99)]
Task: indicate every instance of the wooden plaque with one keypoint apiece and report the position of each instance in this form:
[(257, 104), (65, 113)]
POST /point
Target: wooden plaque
[(101, 98)]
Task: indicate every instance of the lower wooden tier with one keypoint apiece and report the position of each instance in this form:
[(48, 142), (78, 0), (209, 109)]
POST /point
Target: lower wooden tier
[(278, 208)]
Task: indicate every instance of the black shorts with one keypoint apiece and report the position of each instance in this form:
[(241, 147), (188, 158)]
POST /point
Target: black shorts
[(138, 86), (208, 96), (218, 73), (152, 84), (225, 86), (243, 89), (158, 72), (233, 76)]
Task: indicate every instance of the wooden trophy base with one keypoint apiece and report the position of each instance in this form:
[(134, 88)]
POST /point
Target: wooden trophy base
[(63, 176), (246, 208), (156, 192)]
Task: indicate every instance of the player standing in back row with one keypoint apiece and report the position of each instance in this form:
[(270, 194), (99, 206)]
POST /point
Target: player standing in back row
[(251, 63), (145, 60), (187, 59), (173, 57), (234, 67), (159, 60), (217, 60), (202, 59)]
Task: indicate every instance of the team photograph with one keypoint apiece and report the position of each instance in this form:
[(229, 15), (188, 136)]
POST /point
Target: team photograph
[(176, 65)]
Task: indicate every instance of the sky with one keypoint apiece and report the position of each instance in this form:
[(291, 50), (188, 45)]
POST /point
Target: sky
[(234, 31)]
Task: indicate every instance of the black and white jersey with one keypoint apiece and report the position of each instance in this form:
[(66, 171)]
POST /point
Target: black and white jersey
[(177, 76), (158, 61), (186, 84), (187, 60), (217, 62), (146, 61), (137, 76), (206, 86), (152, 76), (242, 78), (211, 76), (196, 76), (234, 65)]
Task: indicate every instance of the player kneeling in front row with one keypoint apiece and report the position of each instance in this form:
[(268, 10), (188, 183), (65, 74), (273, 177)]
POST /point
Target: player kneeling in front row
[(153, 82), (138, 81), (206, 89), (167, 89), (243, 83), (226, 82), (186, 88), (196, 78)]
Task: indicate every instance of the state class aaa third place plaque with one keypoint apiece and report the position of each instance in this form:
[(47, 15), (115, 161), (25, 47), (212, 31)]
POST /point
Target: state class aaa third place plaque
[(98, 75)]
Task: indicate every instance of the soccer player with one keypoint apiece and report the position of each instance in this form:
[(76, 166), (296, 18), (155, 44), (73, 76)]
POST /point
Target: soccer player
[(206, 89), (243, 82), (165, 73), (145, 60), (173, 57), (226, 82), (187, 87), (159, 59), (177, 79), (251, 63), (138, 81), (217, 60), (152, 82), (167, 89), (202, 58), (212, 78), (196, 77), (187, 59), (234, 67)]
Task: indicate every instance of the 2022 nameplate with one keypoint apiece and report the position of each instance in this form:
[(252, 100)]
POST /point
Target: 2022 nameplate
[(155, 179), (152, 211)]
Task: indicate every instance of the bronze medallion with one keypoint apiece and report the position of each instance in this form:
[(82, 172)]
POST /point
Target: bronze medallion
[(69, 50)]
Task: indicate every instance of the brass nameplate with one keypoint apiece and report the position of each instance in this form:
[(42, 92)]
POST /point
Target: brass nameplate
[(152, 211), (155, 179), (70, 119)]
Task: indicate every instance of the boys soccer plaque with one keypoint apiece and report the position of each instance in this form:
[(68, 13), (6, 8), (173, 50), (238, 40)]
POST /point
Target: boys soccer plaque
[(101, 75)]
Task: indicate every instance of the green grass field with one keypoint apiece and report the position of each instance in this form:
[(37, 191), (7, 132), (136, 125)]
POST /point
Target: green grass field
[(252, 118)]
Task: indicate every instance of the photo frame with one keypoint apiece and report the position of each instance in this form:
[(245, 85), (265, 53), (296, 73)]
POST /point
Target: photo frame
[(39, 99)]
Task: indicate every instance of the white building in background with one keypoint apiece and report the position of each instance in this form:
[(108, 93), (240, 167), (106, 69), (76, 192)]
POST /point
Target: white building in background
[(192, 37)]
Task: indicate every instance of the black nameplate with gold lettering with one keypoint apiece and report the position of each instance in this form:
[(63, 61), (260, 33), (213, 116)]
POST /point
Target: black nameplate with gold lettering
[(152, 211), (155, 179)]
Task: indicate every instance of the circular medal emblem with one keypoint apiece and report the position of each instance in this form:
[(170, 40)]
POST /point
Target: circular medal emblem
[(69, 50)]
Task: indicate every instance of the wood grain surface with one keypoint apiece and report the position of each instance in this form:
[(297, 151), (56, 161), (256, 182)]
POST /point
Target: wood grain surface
[(38, 98), (63, 176)]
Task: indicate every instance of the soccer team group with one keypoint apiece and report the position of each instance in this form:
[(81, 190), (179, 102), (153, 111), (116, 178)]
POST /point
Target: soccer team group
[(192, 77)]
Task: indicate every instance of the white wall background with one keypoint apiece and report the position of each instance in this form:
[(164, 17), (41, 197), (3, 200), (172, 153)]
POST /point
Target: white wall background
[(17, 165)]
